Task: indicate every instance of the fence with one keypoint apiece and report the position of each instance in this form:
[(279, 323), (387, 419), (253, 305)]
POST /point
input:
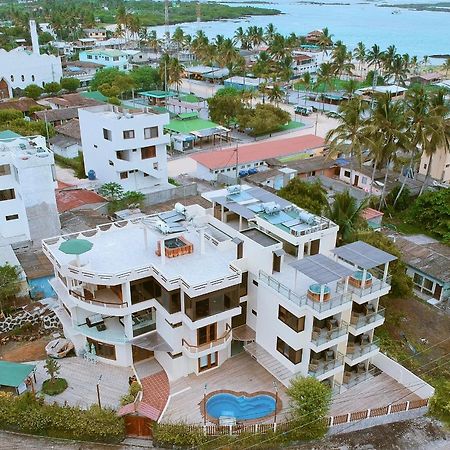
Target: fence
[(173, 193), (261, 428)]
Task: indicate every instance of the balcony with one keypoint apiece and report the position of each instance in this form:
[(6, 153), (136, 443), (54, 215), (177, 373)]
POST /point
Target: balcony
[(108, 330), (333, 300), (328, 333), (372, 287), (324, 362), (352, 378), (357, 352), (103, 297), (195, 351), (361, 322)]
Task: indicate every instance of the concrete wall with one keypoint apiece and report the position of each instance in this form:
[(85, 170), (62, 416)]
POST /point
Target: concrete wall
[(403, 376), (174, 193)]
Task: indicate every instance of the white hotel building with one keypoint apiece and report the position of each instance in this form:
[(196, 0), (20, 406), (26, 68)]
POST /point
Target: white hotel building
[(253, 271), (126, 147), (28, 211)]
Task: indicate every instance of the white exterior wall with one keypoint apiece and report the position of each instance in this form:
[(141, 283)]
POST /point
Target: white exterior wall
[(107, 60), (32, 178), (21, 68), (440, 166), (68, 152), (100, 154)]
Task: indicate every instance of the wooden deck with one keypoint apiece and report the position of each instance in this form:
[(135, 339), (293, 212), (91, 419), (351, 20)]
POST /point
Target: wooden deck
[(239, 373), (375, 392)]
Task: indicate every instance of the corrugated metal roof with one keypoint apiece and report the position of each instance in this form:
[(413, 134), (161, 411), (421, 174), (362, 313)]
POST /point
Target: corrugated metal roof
[(363, 255)]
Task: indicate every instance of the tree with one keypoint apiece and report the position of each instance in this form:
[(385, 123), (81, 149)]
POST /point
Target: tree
[(310, 401), (9, 284), (70, 84), (104, 76), (360, 54), (446, 66), (276, 94), (111, 191), (225, 106), (309, 196), (346, 213), (32, 91), (146, 78), (52, 368), (52, 87), (133, 198), (263, 119)]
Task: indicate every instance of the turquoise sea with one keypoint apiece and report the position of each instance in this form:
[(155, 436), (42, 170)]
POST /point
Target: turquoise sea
[(415, 32)]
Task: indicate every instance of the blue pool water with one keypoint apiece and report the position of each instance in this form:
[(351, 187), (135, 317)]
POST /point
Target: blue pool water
[(242, 408), (358, 275), (315, 289), (41, 286)]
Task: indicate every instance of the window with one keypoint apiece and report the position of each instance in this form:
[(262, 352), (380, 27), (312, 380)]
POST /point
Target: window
[(107, 134), (12, 217), (243, 287), (150, 132), (115, 58), (128, 134), (22, 77), (295, 356), (110, 163), (276, 263), (347, 173), (428, 285), (207, 362), (33, 78), (148, 152), (7, 194), (240, 250), (254, 313), (146, 174), (364, 180), (5, 169), (103, 350), (123, 175), (418, 279), (124, 67), (89, 56), (255, 282), (12, 78), (175, 355), (291, 320), (155, 166), (106, 58)]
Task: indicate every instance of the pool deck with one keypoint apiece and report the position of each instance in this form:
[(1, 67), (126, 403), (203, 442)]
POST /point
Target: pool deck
[(240, 373), (35, 264)]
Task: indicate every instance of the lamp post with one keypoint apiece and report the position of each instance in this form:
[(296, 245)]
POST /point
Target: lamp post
[(275, 386), (98, 392), (204, 404)]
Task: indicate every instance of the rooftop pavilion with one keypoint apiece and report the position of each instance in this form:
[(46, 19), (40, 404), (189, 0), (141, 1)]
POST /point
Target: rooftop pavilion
[(132, 249), (266, 210)]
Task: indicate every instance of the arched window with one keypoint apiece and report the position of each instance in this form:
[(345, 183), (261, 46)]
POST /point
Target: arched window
[(23, 77), (12, 78), (32, 78)]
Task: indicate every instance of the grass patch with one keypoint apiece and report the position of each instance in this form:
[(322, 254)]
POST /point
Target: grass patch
[(54, 387), (76, 164)]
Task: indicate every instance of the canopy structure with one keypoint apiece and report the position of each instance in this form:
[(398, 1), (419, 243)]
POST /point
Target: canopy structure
[(363, 255), (152, 342), (321, 269), (14, 374)]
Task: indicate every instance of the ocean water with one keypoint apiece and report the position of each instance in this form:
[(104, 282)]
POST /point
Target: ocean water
[(415, 32)]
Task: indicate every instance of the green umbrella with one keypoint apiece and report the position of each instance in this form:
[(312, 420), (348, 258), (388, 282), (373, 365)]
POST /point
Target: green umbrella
[(76, 247)]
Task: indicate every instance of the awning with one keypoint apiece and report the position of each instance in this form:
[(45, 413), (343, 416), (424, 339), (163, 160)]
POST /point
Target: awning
[(153, 342), (363, 255)]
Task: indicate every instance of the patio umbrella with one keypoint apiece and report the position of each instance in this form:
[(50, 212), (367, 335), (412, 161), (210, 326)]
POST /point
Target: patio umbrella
[(76, 247)]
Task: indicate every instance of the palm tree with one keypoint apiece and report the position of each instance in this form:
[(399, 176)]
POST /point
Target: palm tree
[(278, 48), (325, 41), (325, 77), (178, 37), (388, 58), (241, 37), (360, 54), (399, 70), (438, 130), (446, 66), (176, 71), (306, 82), (284, 68), (374, 56), (346, 213), (269, 33), (386, 126), (263, 66), (348, 137), (276, 94), (262, 88)]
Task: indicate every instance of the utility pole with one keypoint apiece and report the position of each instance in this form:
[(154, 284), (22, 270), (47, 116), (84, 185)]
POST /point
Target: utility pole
[(238, 180), (98, 392), (166, 23)]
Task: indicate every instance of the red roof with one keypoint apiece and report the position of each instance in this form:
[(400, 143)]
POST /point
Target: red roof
[(219, 159), (370, 213), (70, 197)]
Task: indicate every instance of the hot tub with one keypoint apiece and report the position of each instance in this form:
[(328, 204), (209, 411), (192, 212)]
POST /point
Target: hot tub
[(356, 279), (314, 292)]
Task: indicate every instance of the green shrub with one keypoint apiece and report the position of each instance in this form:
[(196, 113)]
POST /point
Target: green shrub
[(178, 435), (404, 200), (77, 164), (133, 391), (55, 387), (173, 182), (28, 414)]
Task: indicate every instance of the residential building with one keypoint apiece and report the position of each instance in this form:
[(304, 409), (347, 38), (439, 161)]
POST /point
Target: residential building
[(81, 70), (192, 287), (28, 210), (75, 100), (361, 177), (426, 78), (124, 146), (303, 63), (214, 163), (19, 68), (107, 58), (440, 165), (428, 264), (67, 141), (95, 33), (238, 82)]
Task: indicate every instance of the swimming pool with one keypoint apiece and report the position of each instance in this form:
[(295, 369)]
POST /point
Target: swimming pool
[(40, 287), (241, 407)]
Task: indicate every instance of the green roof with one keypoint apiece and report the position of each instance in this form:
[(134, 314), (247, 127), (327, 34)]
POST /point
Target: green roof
[(188, 126), (188, 115), (95, 95), (157, 94), (190, 98), (14, 374), (8, 134)]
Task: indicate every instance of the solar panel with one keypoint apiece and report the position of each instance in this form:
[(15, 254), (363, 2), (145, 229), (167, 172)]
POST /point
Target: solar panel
[(267, 197), (291, 223), (363, 255), (255, 207), (276, 219), (321, 269)]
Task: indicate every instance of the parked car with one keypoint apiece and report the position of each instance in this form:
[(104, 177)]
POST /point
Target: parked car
[(304, 110)]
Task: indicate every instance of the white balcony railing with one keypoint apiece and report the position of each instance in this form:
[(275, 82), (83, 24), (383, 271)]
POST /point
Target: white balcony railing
[(196, 349)]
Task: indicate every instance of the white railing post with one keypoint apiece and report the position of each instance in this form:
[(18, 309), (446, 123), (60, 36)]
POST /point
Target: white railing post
[(407, 406), (331, 421), (368, 412), (389, 410), (348, 418)]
